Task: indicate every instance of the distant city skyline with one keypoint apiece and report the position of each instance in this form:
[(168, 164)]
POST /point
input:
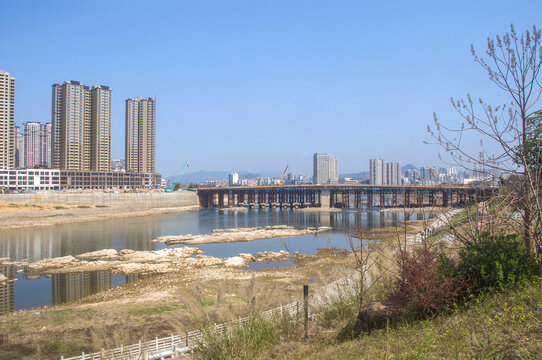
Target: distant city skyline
[(242, 84)]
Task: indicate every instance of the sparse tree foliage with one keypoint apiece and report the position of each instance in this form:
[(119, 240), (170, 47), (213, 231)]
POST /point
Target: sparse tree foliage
[(509, 134)]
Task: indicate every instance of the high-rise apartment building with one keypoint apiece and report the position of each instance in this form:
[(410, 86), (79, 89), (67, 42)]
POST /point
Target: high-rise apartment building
[(325, 169), (233, 179), (36, 146), (140, 121), (45, 145), (19, 148), (377, 171), (7, 120), (32, 144), (81, 127), (393, 173), (382, 172), (100, 128)]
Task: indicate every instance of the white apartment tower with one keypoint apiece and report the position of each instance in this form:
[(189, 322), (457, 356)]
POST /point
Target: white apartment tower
[(7, 120), (32, 144), (19, 148), (377, 171), (81, 127), (233, 179), (140, 121), (393, 173), (45, 145), (325, 169), (382, 172)]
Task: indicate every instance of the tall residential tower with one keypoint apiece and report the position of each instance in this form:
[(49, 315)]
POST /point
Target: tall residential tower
[(32, 144), (7, 120), (81, 134), (325, 169), (140, 120)]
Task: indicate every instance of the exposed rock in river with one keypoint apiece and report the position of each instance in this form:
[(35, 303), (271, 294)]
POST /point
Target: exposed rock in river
[(240, 234)]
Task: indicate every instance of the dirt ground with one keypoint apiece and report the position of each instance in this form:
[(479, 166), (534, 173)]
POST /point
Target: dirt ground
[(19, 216), (161, 305)]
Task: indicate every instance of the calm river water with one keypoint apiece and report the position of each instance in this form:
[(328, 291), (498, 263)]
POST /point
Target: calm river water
[(32, 244)]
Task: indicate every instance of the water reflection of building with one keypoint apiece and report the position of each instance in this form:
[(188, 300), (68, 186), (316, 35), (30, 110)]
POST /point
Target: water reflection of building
[(74, 286), (132, 278), (33, 244), (7, 293)]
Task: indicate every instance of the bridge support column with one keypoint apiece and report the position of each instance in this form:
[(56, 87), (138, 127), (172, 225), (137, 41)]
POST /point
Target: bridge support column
[(325, 199)]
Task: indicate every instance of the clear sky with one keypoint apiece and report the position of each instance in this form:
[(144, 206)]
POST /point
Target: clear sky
[(255, 85)]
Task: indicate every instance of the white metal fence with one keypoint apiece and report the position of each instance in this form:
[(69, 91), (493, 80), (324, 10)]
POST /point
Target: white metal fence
[(170, 346)]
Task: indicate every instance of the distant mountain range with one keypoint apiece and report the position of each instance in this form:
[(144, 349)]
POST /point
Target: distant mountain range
[(202, 176), (408, 167), (355, 176)]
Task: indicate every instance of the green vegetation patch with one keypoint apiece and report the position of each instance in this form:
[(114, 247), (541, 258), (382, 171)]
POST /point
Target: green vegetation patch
[(152, 310), (207, 302), (499, 326)]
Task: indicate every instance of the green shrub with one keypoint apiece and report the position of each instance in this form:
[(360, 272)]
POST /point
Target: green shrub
[(497, 262)]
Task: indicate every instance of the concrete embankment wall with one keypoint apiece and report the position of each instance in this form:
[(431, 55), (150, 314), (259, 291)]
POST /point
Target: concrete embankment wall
[(149, 200)]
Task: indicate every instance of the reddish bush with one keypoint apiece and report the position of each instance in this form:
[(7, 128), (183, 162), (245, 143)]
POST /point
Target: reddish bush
[(421, 288)]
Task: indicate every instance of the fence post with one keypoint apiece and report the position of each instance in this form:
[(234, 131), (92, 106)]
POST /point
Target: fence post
[(156, 344), (139, 346), (186, 333), (306, 308), (83, 356)]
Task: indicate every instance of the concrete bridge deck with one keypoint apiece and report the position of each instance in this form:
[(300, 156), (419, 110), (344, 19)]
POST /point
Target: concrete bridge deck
[(342, 196)]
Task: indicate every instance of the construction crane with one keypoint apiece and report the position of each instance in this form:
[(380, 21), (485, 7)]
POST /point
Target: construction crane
[(282, 177), (176, 180)]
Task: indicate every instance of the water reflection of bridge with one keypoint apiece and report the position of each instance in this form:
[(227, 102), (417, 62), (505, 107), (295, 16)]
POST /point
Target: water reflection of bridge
[(342, 196)]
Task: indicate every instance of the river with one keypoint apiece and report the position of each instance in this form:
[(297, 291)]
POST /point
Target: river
[(32, 244)]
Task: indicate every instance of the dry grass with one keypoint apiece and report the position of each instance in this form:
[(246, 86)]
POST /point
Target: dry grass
[(158, 306)]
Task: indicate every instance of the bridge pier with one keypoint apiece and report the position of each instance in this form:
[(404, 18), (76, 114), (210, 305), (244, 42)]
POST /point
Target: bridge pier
[(326, 199), (327, 196)]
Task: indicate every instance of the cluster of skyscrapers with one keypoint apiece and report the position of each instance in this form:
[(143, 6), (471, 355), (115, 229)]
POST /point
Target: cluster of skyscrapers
[(79, 135), (382, 172)]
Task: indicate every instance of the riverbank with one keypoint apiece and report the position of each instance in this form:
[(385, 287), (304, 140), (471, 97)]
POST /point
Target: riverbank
[(82, 213), (44, 209), (161, 305)]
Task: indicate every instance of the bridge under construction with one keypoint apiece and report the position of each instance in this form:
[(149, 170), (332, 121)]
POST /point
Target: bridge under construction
[(342, 196)]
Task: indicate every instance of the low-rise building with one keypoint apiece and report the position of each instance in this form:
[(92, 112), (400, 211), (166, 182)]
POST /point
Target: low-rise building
[(78, 179), (54, 179), (29, 179)]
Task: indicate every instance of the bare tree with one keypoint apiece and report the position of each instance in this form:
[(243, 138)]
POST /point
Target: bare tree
[(513, 63)]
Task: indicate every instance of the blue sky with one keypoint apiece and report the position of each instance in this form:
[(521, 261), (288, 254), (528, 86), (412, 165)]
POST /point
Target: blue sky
[(255, 85)]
